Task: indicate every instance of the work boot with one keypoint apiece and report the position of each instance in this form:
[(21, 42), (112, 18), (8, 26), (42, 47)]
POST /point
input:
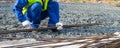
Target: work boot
[(54, 30)]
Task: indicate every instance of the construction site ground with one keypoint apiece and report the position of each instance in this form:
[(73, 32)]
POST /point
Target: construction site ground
[(98, 36)]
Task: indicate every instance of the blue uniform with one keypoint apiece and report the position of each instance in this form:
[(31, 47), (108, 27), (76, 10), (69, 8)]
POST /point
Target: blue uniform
[(35, 13)]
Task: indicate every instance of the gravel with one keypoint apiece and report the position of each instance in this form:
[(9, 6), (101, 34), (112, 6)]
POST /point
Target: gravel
[(71, 13)]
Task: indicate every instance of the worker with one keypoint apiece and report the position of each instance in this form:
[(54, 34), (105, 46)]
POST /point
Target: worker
[(31, 12)]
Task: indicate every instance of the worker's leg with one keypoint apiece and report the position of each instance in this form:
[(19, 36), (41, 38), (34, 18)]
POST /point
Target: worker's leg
[(53, 12), (44, 15), (33, 14)]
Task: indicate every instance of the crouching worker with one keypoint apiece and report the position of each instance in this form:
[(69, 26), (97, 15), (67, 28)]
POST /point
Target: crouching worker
[(31, 12)]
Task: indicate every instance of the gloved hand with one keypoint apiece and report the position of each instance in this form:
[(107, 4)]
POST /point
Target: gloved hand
[(117, 33), (59, 26), (26, 23)]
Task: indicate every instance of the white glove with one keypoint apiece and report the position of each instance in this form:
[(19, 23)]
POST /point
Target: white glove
[(59, 26), (117, 33), (26, 23)]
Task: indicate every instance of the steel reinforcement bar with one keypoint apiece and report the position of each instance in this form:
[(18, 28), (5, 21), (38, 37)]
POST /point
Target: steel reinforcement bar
[(41, 29), (100, 41)]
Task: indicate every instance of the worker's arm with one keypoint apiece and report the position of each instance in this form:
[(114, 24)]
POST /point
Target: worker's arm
[(18, 9)]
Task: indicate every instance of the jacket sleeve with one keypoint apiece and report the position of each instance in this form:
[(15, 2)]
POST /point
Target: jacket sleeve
[(17, 9)]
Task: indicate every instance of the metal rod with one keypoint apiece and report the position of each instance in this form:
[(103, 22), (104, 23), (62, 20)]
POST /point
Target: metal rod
[(41, 29)]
